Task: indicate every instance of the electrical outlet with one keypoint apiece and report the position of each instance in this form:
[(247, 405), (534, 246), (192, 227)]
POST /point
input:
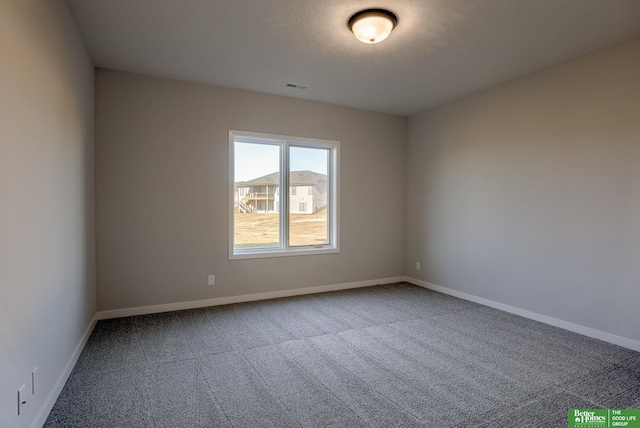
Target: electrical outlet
[(417, 265), (22, 400), (34, 380), (212, 280)]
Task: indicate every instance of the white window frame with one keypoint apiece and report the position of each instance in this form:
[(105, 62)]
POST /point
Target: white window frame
[(333, 212)]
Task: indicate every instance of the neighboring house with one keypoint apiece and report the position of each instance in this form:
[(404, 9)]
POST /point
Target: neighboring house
[(307, 193)]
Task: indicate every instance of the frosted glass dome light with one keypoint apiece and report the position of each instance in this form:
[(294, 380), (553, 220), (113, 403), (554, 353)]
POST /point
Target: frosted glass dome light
[(372, 25)]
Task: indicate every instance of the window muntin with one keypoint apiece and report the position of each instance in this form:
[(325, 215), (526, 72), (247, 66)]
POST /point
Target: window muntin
[(265, 222)]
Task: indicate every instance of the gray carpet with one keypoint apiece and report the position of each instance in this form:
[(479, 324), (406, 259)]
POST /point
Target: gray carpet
[(385, 356)]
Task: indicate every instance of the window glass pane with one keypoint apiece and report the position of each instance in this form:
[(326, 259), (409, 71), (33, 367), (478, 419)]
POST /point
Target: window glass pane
[(256, 172), (308, 221)]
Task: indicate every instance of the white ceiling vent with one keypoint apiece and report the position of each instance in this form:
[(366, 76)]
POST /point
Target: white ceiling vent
[(295, 85)]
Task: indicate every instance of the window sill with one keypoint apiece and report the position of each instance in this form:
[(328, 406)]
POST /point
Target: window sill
[(262, 254)]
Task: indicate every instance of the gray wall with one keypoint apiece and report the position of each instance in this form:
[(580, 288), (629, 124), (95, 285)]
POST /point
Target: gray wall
[(529, 194), (162, 191), (47, 273)]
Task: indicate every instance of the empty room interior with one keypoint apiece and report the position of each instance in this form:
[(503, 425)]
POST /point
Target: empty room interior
[(457, 243)]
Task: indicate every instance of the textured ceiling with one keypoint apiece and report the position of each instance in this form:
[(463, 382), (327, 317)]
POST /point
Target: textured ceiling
[(441, 49)]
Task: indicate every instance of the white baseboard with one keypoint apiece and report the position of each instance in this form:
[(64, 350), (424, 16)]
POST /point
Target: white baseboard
[(50, 401), (576, 328), (144, 310)]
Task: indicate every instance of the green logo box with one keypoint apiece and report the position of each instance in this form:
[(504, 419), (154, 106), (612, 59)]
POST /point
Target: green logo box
[(603, 418)]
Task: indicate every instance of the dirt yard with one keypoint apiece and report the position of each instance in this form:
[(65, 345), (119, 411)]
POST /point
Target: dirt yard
[(262, 229)]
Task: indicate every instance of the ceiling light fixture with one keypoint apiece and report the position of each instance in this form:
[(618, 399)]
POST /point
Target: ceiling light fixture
[(372, 25)]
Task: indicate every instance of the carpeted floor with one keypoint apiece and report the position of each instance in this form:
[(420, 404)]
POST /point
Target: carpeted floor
[(385, 356)]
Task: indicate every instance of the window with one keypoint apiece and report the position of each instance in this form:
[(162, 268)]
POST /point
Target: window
[(271, 223)]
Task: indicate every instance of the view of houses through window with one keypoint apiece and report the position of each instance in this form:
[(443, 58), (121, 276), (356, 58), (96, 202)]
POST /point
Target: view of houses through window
[(266, 219)]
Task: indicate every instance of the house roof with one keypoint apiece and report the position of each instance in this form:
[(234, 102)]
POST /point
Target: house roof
[(296, 178)]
